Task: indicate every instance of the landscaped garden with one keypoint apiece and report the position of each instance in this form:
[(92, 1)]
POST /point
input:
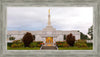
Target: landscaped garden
[(18, 45), (80, 46), (28, 43), (71, 44)]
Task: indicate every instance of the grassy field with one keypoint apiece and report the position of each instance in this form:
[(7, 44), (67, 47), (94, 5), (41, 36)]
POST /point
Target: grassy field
[(23, 48), (75, 48), (60, 48)]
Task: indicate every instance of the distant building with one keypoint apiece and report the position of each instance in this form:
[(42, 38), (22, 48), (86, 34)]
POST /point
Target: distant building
[(48, 35)]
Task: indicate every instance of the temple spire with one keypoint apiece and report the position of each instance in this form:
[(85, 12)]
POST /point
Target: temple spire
[(49, 26), (49, 23)]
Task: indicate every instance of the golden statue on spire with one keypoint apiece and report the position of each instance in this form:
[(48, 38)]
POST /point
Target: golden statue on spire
[(49, 23), (49, 11)]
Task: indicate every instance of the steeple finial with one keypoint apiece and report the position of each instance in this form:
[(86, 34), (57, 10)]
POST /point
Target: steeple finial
[(49, 11), (49, 23)]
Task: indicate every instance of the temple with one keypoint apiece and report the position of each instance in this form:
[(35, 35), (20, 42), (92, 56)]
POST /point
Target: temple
[(48, 35)]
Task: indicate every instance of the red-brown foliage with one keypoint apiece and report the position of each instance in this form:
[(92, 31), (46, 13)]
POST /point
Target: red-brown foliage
[(27, 39), (33, 37), (70, 39)]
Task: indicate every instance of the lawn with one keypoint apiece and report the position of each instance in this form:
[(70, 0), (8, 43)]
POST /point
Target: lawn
[(23, 48), (75, 48), (60, 48)]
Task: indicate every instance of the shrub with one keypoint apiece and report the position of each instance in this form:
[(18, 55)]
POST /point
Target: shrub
[(11, 38), (84, 45), (9, 44), (81, 43), (62, 44), (65, 45), (17, 44), (14, 45), (27, 39), (36, 44), (33, 44), (89, 44), (70, 39), (16, 41), (20, 45)]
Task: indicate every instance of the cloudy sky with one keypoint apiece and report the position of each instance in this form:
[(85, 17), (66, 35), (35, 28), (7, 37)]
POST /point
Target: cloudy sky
[(62, 18)]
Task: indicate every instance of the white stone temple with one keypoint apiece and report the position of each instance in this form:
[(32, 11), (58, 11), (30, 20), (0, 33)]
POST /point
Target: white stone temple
[(48, 35)]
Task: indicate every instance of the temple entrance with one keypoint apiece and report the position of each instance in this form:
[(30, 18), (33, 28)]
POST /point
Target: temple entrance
[(49, 41)]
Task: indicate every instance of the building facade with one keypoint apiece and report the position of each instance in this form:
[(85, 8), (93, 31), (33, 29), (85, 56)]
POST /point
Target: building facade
[(48, 35)]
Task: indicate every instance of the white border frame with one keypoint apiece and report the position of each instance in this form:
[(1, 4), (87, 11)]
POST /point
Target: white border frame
[(3, 26)]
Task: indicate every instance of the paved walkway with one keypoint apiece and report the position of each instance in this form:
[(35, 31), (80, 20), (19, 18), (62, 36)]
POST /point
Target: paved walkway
[(48, 48)]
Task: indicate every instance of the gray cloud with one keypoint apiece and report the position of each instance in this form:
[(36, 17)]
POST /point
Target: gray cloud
[(62, 18)]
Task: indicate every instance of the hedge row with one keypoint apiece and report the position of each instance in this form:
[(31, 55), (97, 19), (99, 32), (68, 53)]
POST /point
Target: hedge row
[(9, 44), (89, 44), (36, 44), (33, 44)]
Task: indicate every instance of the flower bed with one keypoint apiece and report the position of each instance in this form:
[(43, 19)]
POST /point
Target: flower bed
[(36, 44), (62, 44)]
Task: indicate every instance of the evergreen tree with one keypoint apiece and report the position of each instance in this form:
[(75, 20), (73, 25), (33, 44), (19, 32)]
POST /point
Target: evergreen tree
[(83, 36), (90, 31), (65, 37), (11, 38)]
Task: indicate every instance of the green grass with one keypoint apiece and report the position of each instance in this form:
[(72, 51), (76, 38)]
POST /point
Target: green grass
[(75, 48), (23, 48), (60, 48)]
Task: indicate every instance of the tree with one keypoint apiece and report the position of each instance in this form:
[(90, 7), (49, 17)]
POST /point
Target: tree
[(33, 37), (27, 39), (11, 38), (90, 32), (70, 39), (83, 36), (65, 37)]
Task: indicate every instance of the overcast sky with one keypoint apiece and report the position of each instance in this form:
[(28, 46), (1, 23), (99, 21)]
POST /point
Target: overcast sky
[(62, 18)]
